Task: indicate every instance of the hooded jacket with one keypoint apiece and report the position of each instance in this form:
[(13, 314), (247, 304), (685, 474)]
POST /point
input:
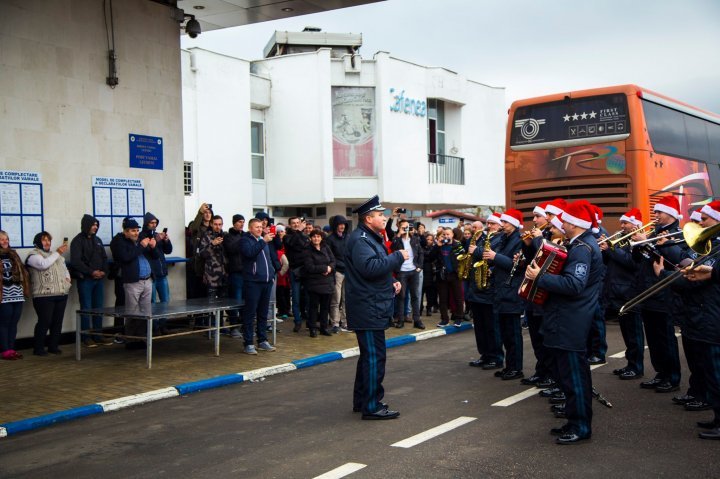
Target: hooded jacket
[(337, 242), (232, 250), (155, 256), (87, 253)]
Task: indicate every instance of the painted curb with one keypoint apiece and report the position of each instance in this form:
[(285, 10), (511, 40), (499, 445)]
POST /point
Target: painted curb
[(23, 425)]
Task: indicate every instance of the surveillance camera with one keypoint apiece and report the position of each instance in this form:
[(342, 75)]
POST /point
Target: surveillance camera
[(192, 28)]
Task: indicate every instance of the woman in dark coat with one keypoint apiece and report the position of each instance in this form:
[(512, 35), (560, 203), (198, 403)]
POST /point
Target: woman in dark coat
[(319, 279)]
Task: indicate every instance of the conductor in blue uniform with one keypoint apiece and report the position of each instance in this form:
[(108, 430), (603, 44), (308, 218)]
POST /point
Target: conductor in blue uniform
[(369, 303), (569, 312)]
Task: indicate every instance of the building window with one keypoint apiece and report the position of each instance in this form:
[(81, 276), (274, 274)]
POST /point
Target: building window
[(320, 212), (436, 129), (257, 140), (187, 178)]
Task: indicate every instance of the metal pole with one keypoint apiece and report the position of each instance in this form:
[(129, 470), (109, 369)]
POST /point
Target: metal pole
[(78, 323), (149, 342)]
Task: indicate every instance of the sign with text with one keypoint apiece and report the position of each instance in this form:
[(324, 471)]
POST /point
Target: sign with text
[(21, 206), (146, 151), (115, 199)]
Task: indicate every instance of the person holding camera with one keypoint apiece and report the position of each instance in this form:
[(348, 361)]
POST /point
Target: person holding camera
[(211, 250), (408, 275), (448, 281), (296, 245)]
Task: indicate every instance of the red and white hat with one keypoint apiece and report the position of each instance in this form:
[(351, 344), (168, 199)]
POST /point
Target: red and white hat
[(556, 206), (514, 217), (540, 209), (581, 214), (557, 224), (712, 210), (670, 205), (494, 218), (598, 213), (695, 216), (633, 216)]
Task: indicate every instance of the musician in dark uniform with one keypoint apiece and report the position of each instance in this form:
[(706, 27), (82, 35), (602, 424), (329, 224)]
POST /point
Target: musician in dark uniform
[(657, 312), (701, 331), (369, 299), (487, 337), (533, 312), (621, 279), (597, 340), (509, 304), (568, 313)]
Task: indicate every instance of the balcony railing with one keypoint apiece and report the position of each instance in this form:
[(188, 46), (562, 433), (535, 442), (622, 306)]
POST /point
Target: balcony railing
[(446, 169)]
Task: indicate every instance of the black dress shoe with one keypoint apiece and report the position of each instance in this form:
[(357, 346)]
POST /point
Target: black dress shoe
[(381, 414), (684, 399), (560, 414), (596, 360), (711, 434), (478, 363), (570, 438), (697, 406), (418, 325), (666, 387), (499, 374), (325, 332), (358, 408), (400, 324), (559, 431), (618, 372), (545, 383), (558, 399), (510, 375), (491, 365), (709, 424), (546, 393), (313, 333), (297, 328), (531, 381), (652, 384), (557, 407), (629, 374)]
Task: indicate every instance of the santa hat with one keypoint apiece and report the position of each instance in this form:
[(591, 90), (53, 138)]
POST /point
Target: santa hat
[(633, 216), (514, 217), (556, 206), (598, 213), (712, 210), (540, 209), (669, 205), (494, 218), (557, 224), (695, 216), (581, 214)]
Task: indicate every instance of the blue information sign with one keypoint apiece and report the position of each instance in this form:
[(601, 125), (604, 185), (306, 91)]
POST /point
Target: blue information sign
[(146, 152)]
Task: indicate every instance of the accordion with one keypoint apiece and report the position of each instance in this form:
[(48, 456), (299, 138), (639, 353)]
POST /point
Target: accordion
[(550, 258)]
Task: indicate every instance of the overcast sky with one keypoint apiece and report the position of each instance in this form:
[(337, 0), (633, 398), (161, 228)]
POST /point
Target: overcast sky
[(530, 47)]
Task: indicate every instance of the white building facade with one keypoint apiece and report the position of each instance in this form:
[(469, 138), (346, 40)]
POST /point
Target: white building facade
[(316, 133)]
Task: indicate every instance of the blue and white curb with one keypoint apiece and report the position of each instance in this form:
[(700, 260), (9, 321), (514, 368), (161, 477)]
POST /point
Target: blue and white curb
[(22, 425)]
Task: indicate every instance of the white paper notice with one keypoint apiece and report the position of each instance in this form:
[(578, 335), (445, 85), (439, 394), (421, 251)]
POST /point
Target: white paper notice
[(32, 225), (31, 200), (102, 201), (105, 230), (11, 225), (135, 202), (10, 198), (119, 202), (117, 225)]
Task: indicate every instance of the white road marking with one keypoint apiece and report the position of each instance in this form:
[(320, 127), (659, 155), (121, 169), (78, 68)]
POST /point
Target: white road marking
[(349, 353), (431, 433), (342, 471), (619, 355), (3, 432), (517, 398), (136, 399)]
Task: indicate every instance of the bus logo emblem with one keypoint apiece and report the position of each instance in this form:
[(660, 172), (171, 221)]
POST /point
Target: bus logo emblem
[(529, 128)]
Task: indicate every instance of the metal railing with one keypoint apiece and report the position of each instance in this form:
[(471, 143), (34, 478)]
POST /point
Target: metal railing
[(446, 169)]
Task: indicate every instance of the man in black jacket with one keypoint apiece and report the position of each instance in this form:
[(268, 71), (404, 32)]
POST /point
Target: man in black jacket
[(337, 241), (89, 264), (408, 274), (235, 269), (296, 243)]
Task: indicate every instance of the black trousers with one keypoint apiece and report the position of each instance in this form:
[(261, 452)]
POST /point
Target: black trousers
[(511, 333), (631, 327), (693, 356), (319, 318), (597, 340), (663, 345), (710, 358), (50, 312), (451, 286), (368, 391), (542, 361), (282, 296), (487, 334), (572, 373)]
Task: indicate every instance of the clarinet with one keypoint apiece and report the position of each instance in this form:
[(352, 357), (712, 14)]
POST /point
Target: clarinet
[(516, 263)]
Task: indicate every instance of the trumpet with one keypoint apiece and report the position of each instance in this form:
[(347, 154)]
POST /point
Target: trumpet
[(699, 239), (614, 242), (656, 238)]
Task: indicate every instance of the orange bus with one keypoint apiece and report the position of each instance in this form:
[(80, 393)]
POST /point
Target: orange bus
[(618, 147)]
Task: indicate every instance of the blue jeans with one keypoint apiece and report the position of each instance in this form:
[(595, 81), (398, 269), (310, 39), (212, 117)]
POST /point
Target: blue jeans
[(257, 303), (161, 289), (91, 293), (235, 286), (295, 295)]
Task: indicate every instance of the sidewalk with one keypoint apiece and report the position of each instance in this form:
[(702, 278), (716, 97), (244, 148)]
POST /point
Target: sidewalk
[(35, 387)]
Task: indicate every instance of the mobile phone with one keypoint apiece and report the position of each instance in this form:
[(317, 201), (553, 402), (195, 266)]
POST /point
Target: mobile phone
[(65, 240), (272, 229), (165, 230), (402, 210), (209, 205)]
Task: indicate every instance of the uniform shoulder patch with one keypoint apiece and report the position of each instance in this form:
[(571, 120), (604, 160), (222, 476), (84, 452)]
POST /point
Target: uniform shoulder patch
[(581, 270)]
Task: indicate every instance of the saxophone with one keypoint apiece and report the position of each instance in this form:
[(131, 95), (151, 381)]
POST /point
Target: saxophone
[(482, 268), (465, 259)]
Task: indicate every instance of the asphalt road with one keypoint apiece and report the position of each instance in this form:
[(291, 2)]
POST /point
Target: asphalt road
[(300, 425)]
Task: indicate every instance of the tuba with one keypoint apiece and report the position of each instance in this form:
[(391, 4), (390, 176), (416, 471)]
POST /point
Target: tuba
[(465, 259), (482, 268)]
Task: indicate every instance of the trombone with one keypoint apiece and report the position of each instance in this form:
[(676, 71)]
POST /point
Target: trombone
[(657, 238), (699, 239), (614, 242)]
